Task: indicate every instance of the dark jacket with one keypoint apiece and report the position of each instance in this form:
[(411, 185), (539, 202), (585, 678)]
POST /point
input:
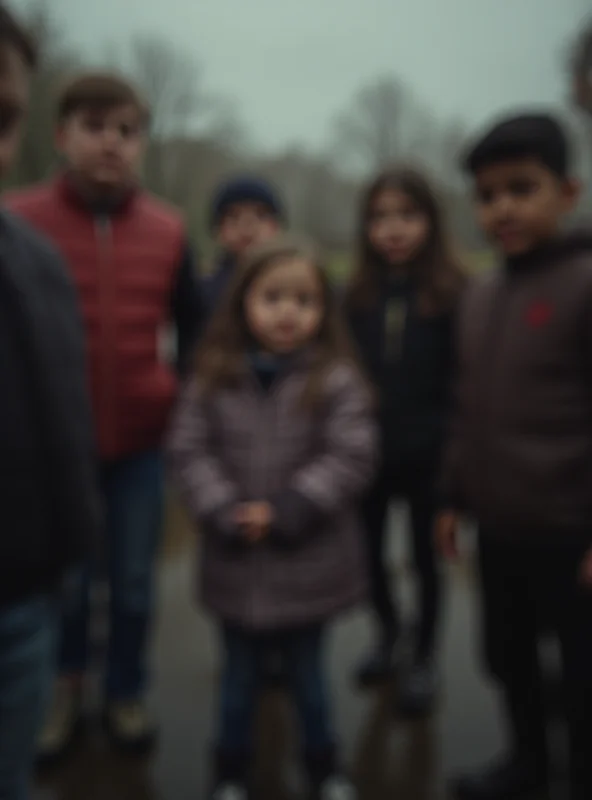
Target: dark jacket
[(252, 443), (520, 453), (133, 273), (408, 356), (216, 284), (49, 334)]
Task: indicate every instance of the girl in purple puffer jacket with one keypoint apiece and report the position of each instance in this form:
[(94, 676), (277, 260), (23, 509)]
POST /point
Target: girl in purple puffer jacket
[(272, 446)]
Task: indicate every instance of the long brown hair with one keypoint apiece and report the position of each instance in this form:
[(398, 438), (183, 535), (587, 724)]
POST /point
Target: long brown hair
[(221, 358), (440, 276)]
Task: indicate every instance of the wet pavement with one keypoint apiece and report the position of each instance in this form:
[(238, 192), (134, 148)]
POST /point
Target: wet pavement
[(390, 758)]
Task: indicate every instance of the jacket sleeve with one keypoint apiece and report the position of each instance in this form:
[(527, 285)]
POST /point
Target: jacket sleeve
[(187, 309), (344, 465), (67, 407), (198, 472)]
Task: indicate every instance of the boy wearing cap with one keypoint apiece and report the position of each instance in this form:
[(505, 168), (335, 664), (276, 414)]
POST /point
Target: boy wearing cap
[(244, 212), (520, 454)]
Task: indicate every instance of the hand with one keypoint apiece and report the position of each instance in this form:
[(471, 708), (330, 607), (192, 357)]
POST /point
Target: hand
[(255, 518), (446, 533), (586, 570)]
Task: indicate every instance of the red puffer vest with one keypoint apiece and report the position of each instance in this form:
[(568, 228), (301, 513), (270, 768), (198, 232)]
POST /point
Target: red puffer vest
[(124, 267)]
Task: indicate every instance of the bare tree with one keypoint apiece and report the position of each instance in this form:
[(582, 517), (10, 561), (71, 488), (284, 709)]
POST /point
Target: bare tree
[(378, 128), (182, 109), (171, 82), (37, 156), (581, 70)]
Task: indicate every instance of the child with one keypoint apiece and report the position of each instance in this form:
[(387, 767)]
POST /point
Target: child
[(271, 445), (129, 257), (48, 487), (245, 212), (400, 305), (519, 457)]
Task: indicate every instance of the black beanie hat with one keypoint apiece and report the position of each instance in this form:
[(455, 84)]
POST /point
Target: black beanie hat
[(538, 136), (245, 190)]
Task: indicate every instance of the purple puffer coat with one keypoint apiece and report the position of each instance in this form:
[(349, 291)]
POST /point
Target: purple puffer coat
[(244, 444)]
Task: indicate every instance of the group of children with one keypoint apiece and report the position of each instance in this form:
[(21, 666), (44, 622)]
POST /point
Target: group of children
[(301, 413)]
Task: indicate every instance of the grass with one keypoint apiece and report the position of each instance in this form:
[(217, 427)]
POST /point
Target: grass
[(339, 263)]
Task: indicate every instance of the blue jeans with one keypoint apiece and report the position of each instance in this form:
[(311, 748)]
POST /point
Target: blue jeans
[(245, 654), (27, 650), (133, 491)]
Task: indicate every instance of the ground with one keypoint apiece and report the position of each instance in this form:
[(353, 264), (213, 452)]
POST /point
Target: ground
[(389, 757)]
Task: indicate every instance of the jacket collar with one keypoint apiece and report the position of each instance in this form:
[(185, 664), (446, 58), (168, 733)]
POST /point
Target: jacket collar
[(72, 193), (552, 253)]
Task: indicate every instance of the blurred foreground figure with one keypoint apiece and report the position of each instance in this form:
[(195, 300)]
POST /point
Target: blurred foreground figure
[(47, 489), (131, 263), (519, 458)]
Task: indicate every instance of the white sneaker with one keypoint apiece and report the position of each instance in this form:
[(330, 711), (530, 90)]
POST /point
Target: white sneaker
[(230, 791), (62, 722), (337, 788)]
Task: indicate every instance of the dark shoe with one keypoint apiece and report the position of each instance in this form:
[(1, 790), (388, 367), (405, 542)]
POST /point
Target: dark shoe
[(510, 779), (418, 690), (129, 727), (380, 666), (62, 726)]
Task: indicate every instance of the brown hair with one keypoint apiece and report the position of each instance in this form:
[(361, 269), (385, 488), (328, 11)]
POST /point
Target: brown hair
[(220, 359), (440, 276), (13, 34), (99, 91)]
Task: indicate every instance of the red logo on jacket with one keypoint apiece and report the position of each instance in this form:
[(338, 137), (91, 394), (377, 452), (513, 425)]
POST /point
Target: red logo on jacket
[(539, 313)]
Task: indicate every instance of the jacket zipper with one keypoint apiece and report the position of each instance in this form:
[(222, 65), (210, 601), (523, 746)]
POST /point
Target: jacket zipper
[(394, 323), (266, 410), (104, 238)]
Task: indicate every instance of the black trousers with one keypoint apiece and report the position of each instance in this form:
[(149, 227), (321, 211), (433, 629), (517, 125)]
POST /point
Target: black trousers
[(413, 483), (524, 584)]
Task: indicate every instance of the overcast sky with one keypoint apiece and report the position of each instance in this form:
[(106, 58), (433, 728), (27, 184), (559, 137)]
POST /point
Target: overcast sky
[(292, 64)]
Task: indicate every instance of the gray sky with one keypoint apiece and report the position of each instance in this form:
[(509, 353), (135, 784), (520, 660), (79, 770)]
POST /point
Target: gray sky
[(292, 64)]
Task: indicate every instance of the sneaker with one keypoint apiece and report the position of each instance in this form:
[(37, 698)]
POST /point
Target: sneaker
[(511, 778), (230, 791), (62, 724), (379, 666), (417, 692), (337, 787), (129, 726)]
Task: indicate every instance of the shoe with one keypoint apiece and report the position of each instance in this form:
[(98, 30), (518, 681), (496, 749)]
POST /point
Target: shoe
[(510, 779), (336, 787), (417, 692), (129, 727), (64, 722), (379, 666), (230, 791)]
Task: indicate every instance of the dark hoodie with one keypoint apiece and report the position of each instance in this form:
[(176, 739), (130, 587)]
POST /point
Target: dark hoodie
[(408, 357), (520, 452)]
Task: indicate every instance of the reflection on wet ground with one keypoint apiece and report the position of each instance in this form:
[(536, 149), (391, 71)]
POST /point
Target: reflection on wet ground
[(390, 758)]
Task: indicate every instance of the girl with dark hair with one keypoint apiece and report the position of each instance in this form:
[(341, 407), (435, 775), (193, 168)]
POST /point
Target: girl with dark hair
[(400, 304)]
